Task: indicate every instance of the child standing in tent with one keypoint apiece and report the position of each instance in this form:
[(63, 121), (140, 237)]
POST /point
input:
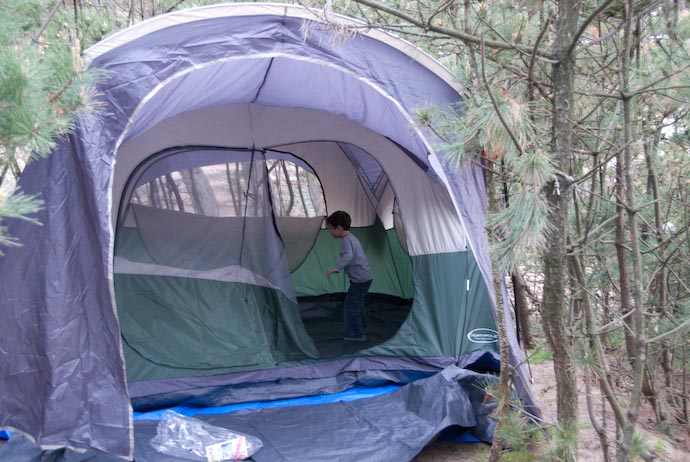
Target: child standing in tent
[(354, 262)]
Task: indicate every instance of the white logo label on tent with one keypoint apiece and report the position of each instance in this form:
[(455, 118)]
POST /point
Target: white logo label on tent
[(483, 335)]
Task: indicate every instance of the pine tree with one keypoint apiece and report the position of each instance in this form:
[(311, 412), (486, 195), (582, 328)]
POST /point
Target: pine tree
[(42, 92)]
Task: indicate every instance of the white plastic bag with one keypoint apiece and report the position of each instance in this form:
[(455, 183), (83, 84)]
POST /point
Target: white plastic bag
[(189, 438)]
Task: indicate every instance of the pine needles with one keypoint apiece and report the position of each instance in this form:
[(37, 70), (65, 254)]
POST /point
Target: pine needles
[(43, 91), (522, 225)]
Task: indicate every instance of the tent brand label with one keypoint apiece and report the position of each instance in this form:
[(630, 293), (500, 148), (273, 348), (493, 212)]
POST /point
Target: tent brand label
[(483, 335)]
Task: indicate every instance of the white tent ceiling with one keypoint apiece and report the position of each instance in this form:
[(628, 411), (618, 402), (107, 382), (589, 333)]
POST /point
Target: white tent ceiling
[(430, 221)]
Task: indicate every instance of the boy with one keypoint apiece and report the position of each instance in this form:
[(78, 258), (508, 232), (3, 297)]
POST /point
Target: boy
[(354, 262)]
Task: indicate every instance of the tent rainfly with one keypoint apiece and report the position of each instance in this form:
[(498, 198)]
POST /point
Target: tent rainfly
[(183, 250)]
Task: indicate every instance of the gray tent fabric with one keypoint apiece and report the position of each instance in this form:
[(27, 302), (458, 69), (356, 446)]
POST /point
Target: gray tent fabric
[(392, 427), (59, 333), (21, 449), (62, 368)]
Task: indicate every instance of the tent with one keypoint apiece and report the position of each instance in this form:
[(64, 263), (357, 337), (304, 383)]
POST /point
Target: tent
[(183, 250)]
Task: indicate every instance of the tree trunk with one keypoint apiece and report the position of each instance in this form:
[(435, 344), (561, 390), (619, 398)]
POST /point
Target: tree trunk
[(638, 317), (503, 394), (554, 308), (522, 309)]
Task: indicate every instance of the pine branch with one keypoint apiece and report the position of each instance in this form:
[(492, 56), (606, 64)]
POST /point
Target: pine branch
[(64, 88), (50, 17), (487, 87), (533, 56), (592, 16), (649, 86), (467, 38)]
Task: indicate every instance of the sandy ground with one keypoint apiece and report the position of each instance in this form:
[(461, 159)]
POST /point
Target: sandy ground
[(589, 447)]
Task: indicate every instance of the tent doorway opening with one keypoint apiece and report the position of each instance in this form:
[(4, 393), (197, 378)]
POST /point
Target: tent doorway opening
[(221, 255)]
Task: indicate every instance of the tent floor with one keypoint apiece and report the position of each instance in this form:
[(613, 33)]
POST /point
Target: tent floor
[(392, 427), (323, 319)]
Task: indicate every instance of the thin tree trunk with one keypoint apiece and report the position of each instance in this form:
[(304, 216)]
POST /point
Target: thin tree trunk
[(504, 380), (5, 169), (596, 423), (289, 185), (522, 309), (620, 240), (595, 347), (301, 192), (554, 308), (638, 319), (130, 13), (660, 287)]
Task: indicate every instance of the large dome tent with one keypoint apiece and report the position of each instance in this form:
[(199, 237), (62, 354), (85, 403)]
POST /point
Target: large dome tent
[(184, 252)]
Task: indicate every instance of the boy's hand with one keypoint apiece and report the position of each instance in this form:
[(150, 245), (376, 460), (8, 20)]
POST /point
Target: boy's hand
[(331, 271)]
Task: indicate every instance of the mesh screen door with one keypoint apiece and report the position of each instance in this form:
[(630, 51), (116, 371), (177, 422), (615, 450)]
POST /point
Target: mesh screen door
[(226, 214)]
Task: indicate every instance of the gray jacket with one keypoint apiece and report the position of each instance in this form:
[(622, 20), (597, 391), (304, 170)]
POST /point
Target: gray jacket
[(353, 260)]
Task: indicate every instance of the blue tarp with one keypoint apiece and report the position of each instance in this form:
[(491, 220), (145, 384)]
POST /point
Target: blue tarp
[(353, 394), (383, 424)]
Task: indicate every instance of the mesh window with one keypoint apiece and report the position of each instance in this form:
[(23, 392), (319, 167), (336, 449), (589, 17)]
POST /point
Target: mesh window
[(226, 214), (296, 191), (226, 190)]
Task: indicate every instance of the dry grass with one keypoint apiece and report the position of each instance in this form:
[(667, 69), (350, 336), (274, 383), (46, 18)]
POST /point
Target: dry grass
[(454, 452)]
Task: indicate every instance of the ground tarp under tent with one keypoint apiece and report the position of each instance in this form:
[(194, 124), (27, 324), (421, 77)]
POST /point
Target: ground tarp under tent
[(183, 251)]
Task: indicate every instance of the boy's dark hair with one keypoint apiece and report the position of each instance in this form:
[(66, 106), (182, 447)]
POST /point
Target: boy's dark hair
[(339, 218)]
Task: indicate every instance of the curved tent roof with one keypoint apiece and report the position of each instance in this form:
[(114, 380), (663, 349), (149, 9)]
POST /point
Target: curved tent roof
[(253, 9), (222, 58)]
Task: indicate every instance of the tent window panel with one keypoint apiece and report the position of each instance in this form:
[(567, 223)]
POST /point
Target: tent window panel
[(238, 190), (225, 190), (296, 192), (187, 191), (368, 168), (316, 195), (238, 187)]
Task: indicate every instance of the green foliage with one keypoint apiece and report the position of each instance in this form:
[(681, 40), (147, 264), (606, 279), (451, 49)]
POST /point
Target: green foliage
[(482, 122), (660, 446), (562, 445), (43, 90), (523, 224), (97, 25), (521, 436), (641, 446), (615, 340), (541, 354), (42, 86), (20, 18), (517, 455), (19, 206), (505, 131)]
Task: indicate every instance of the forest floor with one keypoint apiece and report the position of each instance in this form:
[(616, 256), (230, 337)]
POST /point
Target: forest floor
[(589, 447)]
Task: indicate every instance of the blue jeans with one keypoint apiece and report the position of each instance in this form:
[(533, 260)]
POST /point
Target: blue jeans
[(354, 309)]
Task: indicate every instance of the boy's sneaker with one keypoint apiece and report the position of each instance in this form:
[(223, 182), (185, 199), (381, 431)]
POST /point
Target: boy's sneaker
[(363, 338)]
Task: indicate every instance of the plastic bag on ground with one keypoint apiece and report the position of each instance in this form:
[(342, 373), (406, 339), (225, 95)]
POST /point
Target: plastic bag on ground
[(189, 438)]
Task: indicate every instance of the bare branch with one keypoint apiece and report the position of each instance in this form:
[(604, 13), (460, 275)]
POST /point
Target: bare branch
[(659, 80), (52, 13), (542, 54), (573, 43), (672, 331)]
